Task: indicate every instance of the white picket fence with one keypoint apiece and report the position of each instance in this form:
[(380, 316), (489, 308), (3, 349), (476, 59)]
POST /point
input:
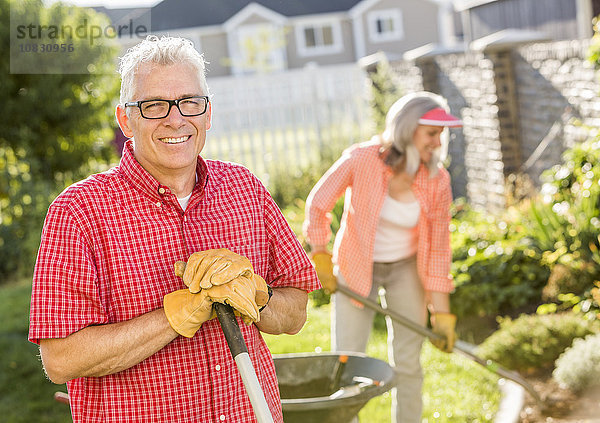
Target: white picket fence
[(285, 119)]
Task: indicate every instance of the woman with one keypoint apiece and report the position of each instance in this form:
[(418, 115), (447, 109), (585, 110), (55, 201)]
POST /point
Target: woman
[(394, 235)]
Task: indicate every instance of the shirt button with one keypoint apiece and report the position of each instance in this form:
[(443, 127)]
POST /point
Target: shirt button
[(222, 417), (158, 204), (161, 190), (217, 367)]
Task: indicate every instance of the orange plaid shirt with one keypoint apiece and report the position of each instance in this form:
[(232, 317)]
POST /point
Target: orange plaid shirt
[(363, 177)]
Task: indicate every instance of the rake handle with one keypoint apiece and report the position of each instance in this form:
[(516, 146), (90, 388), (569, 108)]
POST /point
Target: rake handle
[(463, 347)]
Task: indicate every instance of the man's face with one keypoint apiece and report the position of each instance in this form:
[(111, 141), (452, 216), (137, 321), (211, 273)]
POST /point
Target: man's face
[(168, 146)]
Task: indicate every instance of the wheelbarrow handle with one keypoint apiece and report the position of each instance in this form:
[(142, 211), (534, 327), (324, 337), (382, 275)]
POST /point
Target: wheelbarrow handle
[(240, 355), (468, 350)]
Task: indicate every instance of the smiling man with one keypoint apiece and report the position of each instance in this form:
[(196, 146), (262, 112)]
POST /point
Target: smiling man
[(134, 342)]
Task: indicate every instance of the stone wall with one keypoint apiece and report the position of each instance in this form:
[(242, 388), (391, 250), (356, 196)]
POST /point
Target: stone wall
[(522, 104), (558, 100)]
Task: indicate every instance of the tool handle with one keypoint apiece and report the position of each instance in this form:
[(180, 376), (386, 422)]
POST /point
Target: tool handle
[(405, 321), (337, 373), (467, 350), (231, 329), (239, 352), (61, 397)]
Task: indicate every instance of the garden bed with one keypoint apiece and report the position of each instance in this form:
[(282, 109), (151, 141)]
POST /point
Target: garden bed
[(561, 405)]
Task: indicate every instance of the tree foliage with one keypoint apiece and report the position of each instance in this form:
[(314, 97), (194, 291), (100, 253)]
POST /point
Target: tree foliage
[(56, 127), (384, 92), (594, 48)]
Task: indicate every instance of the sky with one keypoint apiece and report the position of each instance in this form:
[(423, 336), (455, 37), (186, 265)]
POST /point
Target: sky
[(123, 3), (109, 3)]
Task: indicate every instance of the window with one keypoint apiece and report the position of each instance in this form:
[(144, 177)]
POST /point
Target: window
[(385, 25), (319, 38)]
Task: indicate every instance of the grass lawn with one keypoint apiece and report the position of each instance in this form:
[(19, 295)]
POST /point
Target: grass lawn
[(456, 390), (25, 394)]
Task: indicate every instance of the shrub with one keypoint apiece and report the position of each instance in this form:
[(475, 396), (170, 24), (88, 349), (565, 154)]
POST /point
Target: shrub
[(533, 342), (287, 184), (566, 223), (496, 269), (578, 367), (498, 280), (569, 277), (537, 250)]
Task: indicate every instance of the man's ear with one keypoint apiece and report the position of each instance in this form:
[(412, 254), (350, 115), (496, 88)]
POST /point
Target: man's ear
[(209, 116), (123, 121)]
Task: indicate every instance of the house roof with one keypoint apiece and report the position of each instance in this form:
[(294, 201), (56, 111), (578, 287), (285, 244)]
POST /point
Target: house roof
[(460, 5), (173, 14), (119, 15)]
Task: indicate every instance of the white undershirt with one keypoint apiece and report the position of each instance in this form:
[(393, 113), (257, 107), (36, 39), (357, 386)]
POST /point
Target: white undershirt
[(396, 233), (184, 201)]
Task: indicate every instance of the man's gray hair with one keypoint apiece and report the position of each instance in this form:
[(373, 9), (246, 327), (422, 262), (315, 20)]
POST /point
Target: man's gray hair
[(401, 122), (163, 51)]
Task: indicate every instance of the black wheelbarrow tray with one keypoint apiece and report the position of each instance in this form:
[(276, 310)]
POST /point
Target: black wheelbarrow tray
[(309, 393)]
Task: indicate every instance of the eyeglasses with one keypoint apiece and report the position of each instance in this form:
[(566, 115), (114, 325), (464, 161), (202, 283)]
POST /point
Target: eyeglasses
[(158, 109)]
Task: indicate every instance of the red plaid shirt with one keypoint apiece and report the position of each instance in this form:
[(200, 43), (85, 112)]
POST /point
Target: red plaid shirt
[(106, 255), (363, 177)]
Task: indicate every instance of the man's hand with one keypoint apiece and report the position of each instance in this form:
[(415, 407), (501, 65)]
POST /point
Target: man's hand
[(186, 311), (444, 324), (245, 294), (228, 278), (205, 269), (324, 268)]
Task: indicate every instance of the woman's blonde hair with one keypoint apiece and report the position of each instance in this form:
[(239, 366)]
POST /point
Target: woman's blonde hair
[(163, 51), (401, 122)]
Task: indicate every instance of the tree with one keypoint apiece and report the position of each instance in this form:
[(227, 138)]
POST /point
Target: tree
[(384, 92), (56, 126)]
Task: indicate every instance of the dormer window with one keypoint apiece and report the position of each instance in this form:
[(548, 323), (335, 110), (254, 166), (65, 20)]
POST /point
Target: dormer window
[(319, 38), (385, 25)]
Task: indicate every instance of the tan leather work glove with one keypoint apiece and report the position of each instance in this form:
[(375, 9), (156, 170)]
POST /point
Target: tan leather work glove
[(444, 324), (324, 268), (186, 311), (246, 295), (214, 267)]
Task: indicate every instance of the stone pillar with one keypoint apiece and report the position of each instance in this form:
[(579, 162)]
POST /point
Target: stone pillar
[(429, 73), (507, 105), (500, 49)]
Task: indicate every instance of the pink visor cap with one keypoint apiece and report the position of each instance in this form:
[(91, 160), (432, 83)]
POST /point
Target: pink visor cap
[(440, 117)]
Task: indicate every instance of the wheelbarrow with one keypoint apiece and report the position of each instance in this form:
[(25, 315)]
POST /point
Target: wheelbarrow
[(321, 388)]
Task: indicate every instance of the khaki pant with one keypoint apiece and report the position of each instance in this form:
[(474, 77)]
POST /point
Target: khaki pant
[(351, 327)]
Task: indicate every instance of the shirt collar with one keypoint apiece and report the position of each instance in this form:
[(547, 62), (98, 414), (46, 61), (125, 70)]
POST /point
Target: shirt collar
[(144, 182)]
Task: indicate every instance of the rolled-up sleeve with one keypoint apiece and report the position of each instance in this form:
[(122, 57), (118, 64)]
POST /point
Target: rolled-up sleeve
[(440, 254), (323, 197)]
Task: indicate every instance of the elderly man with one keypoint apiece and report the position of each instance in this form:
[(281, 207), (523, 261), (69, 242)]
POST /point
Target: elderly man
[(107, 308)]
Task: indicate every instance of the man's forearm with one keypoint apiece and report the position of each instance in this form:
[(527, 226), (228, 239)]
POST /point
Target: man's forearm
[(106, 349), (285, 313)]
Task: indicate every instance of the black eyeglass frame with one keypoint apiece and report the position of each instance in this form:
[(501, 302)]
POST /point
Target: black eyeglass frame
[(172, 103)]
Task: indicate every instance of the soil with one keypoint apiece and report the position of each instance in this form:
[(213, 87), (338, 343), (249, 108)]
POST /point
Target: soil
[(560, 404)]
